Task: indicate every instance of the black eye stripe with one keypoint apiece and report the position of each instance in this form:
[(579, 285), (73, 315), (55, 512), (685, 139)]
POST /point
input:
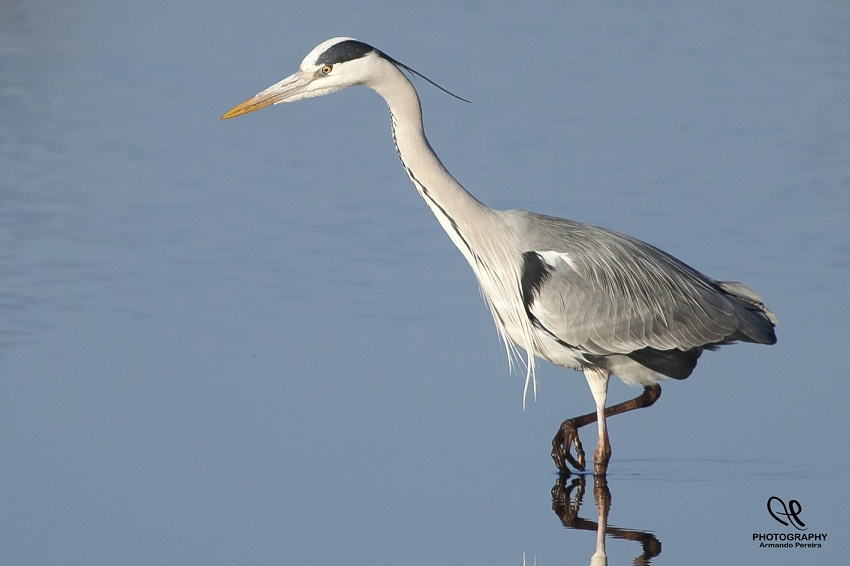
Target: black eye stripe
[(343, 51), (351, 49)]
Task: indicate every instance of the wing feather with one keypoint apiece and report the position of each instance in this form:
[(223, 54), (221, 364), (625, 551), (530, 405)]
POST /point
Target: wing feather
[(607, 293)]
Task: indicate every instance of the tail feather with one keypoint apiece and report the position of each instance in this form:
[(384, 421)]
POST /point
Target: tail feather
[(757, 321)]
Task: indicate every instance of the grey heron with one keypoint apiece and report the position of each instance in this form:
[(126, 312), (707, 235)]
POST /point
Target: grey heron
[(579, 296)]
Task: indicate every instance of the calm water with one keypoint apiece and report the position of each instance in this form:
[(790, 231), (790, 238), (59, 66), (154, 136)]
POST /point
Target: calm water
[(249, 342)]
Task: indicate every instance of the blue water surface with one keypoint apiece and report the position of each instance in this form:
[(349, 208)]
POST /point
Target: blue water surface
[(249, 342)]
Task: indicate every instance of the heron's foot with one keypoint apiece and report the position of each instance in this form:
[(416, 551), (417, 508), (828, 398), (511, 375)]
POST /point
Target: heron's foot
[(568, 434), (601, 457)]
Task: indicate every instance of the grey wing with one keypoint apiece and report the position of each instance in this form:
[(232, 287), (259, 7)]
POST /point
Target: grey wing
[(606, 293)]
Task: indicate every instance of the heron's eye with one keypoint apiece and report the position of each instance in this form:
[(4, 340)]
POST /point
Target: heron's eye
[(326, 69)]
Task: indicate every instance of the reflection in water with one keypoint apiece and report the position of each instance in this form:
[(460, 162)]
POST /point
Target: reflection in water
[(567, 496)]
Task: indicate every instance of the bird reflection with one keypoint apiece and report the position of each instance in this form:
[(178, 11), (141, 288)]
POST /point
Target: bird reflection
[(567, 496)]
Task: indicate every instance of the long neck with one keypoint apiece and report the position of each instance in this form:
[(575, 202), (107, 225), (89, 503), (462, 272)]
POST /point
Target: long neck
[(480, 233), (460, 214)]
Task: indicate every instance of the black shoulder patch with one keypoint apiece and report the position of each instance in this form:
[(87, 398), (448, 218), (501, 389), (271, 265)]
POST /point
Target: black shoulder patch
[(535, 272), (343, 51)]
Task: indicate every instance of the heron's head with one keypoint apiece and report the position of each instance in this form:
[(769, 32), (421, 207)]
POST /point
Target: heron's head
[(336, 64)]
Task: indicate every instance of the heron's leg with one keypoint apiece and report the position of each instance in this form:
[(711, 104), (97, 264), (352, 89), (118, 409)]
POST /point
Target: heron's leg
[(568, 432), (597, 379), (602, 454)]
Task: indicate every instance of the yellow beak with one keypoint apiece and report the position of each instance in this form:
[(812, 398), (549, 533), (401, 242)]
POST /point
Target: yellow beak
[(292, 87)]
